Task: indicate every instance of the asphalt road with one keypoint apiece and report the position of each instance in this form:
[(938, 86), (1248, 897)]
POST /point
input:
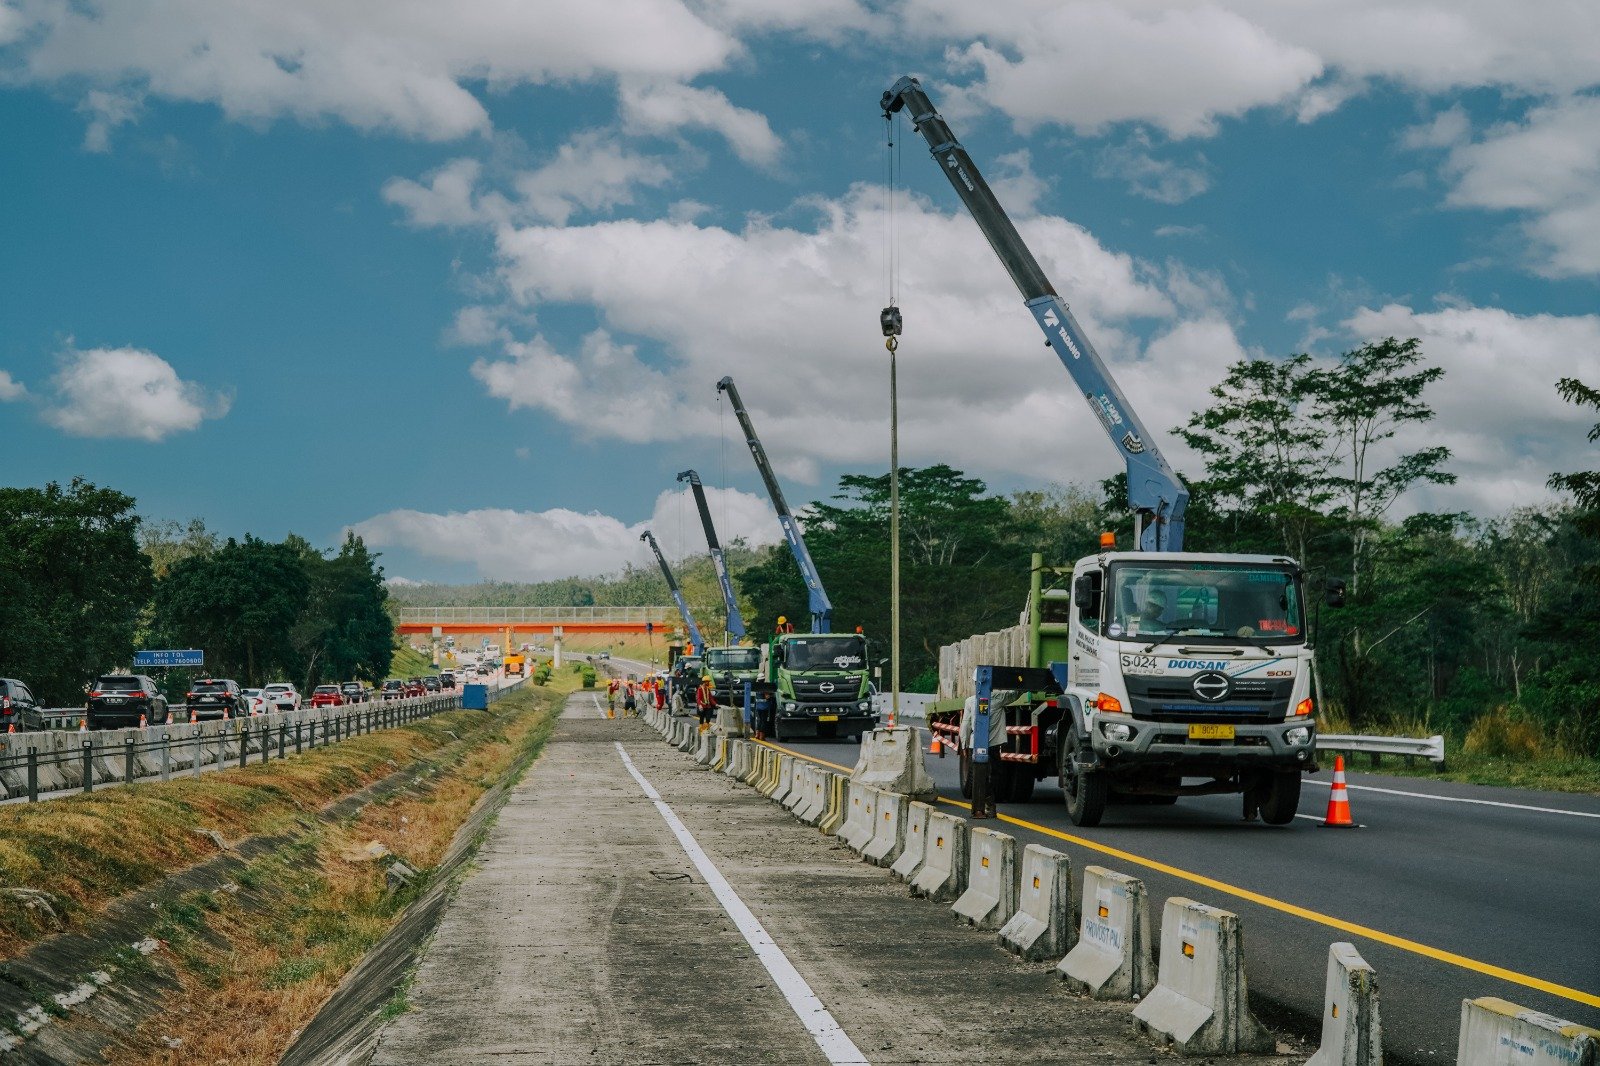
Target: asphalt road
[(1511, 888)]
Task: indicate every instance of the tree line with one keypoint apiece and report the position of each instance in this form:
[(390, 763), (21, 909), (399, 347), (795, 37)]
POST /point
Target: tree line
[(85, 582)]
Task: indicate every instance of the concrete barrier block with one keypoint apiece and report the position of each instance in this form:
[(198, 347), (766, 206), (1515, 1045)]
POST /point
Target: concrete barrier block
[(815, 802), (738, 758), (719, 761), (785, 781), (991, 896), (707, 748), (1351, 1032), (758, 765), (791, 800), (1497, 1033), (942, 877), (691, 737), (862, 808), (1199, 1002), (771, 767), (891, 759), (730, 720), (1112, 958), (888, 829), (1042, 928), (914, 840), (833, 812)]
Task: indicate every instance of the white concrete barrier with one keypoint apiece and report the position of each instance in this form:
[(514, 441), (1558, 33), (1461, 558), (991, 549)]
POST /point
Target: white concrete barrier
[(691, 737), (942, 877), (861, 807), (914, 841), (1351, 1032), (735, 757), (1112, 958), (836, 807), (730, 720), (719, 761), (707, 750), (888, 830), (1042, 927), (991, 896), (792, 799), (1497, 1033), (891, 759), (1199, 1002), (772, 777), (809, 802), (816, 802), (786, 778)]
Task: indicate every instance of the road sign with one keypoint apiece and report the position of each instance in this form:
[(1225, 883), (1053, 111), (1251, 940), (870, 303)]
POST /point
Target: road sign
[(171, 657)]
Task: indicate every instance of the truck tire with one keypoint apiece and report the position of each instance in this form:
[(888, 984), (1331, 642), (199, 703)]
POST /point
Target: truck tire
[(1280, 797), (965, 760), (1084, 791)]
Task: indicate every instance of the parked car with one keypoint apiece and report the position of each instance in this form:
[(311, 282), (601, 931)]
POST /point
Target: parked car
[(117, 700), (355, 692), (327, 696), (214, 695), (415, 687), (18, 707), (255, 701), (394, 689), (432, 683), (282, 696)]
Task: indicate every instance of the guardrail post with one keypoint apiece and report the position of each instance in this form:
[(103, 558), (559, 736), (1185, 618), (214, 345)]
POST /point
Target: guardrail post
[(88, 766), (127, 760), (266, 741), (297, 738), (283, 737), (244, 747), (166, 756), (199, 749), (33, 775)]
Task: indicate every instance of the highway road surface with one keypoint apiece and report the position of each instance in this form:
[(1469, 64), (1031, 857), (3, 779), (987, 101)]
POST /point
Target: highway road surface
[(1450, 891)]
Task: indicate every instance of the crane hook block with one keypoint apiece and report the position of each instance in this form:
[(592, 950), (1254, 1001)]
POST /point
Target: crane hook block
[(889, 319)]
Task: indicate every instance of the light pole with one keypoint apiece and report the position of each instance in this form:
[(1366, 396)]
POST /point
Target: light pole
[(889, 319)]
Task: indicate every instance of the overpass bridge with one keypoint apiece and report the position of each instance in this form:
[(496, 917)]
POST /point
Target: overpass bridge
[(510, 621)]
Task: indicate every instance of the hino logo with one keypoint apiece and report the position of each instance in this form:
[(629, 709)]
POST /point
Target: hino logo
[(1213, 687), (826, 686)]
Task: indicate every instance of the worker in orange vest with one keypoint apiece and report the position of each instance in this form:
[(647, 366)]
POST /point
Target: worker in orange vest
[(705, 702)]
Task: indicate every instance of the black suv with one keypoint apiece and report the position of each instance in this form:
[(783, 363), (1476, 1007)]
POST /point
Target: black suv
[(354, 692), (117, 700), (209, 698), (394, 689), (432, 683), (17, 707)]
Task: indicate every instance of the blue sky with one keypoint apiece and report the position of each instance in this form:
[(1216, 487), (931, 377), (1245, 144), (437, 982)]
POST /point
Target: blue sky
[(464, 276)]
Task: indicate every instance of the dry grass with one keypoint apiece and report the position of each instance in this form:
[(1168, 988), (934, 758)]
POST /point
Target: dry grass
[(244, 1003)]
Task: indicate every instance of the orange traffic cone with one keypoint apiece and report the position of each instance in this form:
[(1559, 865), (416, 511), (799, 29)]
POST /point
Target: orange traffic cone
[(12, 728), (169, 715), (142, 723), (936, 746), (1338, 800), (194, 716), (83, 725), (226, 717)]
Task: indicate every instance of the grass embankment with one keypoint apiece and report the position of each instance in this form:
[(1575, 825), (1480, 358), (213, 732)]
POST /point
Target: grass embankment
[(408, 662), (1501, 748), (254, 965)]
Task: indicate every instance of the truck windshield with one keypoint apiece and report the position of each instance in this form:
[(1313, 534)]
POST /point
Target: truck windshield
[(825, 653), (733, 658), (1202, 602)]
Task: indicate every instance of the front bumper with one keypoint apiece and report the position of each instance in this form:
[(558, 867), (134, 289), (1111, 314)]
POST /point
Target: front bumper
[(1168, 743)]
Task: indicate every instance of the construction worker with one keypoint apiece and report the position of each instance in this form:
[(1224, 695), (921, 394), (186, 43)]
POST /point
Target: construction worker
[(705, 701), (630, 707), (611, 697), (660, 688), (784, 625)]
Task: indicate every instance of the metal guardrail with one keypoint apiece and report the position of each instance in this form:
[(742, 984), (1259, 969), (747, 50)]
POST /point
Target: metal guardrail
[(507, 616), (1430, 748), (57, 761)]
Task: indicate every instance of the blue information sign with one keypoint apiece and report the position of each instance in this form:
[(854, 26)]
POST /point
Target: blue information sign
[(171, 657)]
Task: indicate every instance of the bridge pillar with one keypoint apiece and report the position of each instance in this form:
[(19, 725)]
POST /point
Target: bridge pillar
[(555, 647)]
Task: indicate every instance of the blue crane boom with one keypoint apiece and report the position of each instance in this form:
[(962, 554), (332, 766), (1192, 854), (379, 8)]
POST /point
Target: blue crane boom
[(1155, 494), (821, 606), (735, 619), (695, 640)]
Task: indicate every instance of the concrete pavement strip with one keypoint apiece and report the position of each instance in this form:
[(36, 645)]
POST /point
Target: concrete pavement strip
[(588, 934)]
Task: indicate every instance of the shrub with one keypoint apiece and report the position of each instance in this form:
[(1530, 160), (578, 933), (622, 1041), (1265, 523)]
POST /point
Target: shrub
[(1502, 735)]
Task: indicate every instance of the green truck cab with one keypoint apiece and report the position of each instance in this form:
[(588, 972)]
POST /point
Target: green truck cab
[(818, 686)]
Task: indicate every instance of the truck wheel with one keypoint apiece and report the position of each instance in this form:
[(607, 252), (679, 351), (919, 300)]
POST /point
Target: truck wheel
[(1085, 793), (1281, 797), (966, 773)]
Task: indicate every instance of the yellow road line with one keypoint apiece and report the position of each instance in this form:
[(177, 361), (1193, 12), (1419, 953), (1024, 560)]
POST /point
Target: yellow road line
[(1425, 950)]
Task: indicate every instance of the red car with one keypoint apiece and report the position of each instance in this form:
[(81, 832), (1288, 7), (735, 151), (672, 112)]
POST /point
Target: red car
[(415, 687), (327, 696)]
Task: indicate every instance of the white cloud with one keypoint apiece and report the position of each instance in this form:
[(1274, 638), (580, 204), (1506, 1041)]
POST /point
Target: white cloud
[(1016, 185), (1496, 406), (666, 107), (1445, 130), (448, 198), (1160, 180), (594, 171), (401, 65), (830, 20), (10, 388), (1548, 167), (129, 393), (106, 111), (539, 545)]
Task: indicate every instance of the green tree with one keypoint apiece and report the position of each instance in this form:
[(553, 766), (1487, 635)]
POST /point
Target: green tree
[(239, 604), (74, 584), (168, 542), (1585, 485)]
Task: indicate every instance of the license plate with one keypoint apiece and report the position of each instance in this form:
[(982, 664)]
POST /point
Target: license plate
[(1211, 732), (827, 718)]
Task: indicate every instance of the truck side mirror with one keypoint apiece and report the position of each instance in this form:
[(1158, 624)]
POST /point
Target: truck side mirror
[(1086, 592), (1333, 593)]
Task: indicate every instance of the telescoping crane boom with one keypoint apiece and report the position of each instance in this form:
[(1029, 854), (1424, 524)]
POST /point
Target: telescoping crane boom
[(696, 642), (1155, 494), (735, 619), (821, 606)]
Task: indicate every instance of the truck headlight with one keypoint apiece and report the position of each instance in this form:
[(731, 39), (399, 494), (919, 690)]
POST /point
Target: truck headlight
[(1298, 735), (789, 706), (863, 706), (1118, 731)]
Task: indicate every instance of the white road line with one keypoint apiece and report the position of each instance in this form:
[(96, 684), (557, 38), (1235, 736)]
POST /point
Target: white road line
[(599, 711), (835, 1044), (1457, 799)]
